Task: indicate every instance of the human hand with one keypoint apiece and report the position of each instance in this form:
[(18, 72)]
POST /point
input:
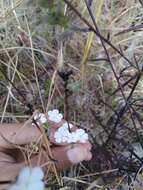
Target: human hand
[(13, 136)]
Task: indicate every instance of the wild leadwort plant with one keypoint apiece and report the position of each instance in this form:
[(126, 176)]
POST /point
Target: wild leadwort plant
[(29, 179), (55, 116), (62, 135)]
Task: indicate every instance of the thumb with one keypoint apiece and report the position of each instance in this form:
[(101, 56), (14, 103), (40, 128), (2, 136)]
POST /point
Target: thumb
[(66, 157), (79, 154)]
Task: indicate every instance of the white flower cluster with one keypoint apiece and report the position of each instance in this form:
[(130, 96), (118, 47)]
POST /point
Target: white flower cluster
[(53, 115), (63, 135), (29, 179), (40, 118)]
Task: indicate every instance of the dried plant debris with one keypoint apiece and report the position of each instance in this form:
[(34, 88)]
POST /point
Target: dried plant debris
[(101, 46)]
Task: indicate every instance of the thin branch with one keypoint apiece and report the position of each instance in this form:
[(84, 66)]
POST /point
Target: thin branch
[(141, 2), (122, 111), (95, 31), (132, 28)]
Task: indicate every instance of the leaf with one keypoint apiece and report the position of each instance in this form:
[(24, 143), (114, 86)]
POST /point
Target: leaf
[(55, 12), (57, 18), (45, 3), (47, 126), (76, 86)]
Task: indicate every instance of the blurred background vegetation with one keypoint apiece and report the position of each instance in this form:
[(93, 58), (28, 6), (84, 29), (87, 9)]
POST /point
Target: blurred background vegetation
[(102, 43)]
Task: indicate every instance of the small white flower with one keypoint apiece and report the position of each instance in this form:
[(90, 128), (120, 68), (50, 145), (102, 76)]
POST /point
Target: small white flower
[(63, 135), (62, 130), (36, 174), (29, 179), (57, 135), (67, 125), (74, 137), (85, 136), (82, 140), (33, 124), (58, 140), (64, 139), (80, 132), (69, 140), (55, 116), (24, 175), (43, 118), (40, 118), (36, 117)]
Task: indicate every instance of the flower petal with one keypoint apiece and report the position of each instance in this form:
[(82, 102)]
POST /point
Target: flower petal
[(14, 187), (37, 174), (24, 175), (55, 111), (36, 186)]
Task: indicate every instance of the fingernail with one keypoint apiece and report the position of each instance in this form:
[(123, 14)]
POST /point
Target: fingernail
[(89, 156), (77, 154), (72, 155)]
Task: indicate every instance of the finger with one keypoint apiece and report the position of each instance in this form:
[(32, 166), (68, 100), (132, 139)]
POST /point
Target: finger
[(86, 145), (9, 172), (18, 134), (8, 167), (6, 158), (79, 154), (65, 157), (69, 156)]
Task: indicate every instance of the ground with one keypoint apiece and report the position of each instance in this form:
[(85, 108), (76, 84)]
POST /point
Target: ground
[(101, 43)]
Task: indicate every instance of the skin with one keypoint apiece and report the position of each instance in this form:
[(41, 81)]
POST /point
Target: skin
[(13, 136)]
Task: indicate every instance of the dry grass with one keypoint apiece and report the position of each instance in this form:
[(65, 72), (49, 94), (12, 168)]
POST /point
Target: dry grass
[(31, 53)]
